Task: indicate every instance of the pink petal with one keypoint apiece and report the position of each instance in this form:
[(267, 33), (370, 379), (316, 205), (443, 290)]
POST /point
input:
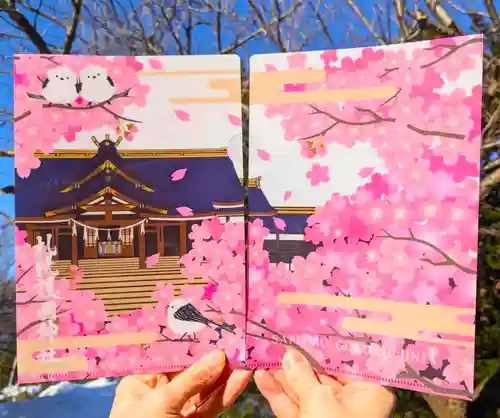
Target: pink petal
[(270, 68), (155, 64), (263, 155), (152, 260), (184, 211), (279, 223), (234, 120), (182, 115), (178, 174), (287, 196), (366, 171), (208, 291)]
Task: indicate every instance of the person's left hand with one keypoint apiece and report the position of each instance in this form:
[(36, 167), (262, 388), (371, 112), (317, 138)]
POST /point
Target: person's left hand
[(204, 390)]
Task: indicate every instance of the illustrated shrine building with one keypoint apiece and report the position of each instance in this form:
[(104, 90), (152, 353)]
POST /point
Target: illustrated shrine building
[(113, 203)]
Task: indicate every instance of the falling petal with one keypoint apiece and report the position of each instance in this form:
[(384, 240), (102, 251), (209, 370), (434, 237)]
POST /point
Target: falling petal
[(152, 260), (155, 64), (279, 223), (287, 196), (185, 211), (182, 115), (234, 120), (263, 155), (178, 174)]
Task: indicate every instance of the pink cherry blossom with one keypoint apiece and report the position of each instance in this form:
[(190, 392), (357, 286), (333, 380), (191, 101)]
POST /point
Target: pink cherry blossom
[(318, 174)]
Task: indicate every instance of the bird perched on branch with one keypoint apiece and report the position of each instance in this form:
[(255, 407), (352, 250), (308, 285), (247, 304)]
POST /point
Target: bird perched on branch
[(60, 86), (96, 85), (184, 319)]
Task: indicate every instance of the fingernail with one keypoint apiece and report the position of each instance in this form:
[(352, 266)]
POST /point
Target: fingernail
[(292, 358), (215, 358)]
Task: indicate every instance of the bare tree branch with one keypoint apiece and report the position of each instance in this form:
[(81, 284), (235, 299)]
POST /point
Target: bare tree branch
[(25, 26), (71, 32), (366, 22), (492, 11)]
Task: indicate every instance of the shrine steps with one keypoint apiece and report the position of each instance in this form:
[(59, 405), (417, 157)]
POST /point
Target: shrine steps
[(122, 285)]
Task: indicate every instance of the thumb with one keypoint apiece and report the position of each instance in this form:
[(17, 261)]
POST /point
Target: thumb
[(170, 399), (299, 374)]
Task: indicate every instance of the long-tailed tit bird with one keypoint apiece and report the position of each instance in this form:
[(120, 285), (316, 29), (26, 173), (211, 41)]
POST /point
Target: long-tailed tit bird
[(184, 319), (96, 85), (60, 86)]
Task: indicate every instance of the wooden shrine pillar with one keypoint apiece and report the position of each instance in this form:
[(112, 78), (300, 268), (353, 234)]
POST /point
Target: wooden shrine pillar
[(74, 249), (31, 235), (183, 238), (159, 240), (142, 249)]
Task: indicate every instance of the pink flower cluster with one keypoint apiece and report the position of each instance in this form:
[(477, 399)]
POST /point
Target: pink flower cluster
[(39, 126)]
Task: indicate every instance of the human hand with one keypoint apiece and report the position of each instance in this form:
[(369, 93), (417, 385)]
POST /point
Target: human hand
[(297, 392), (204, 390)]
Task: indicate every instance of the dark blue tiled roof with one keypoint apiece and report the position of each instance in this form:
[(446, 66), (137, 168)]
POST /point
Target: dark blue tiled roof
[(295, 223), (207, 180)]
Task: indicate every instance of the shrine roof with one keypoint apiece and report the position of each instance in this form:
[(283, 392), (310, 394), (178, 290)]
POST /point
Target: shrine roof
[(63, 182)]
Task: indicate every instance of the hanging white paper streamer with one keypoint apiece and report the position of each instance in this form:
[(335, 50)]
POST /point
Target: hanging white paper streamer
[(109, 234), (85, 235), (74, 228)]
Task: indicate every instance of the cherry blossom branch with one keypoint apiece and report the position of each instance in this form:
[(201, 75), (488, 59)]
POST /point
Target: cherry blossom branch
[(387, 72), (366, 339), (435, 133), (38, 322), (101, 105), (392, 97), (21, 116), (24, 273), (30, 301), (452, 49), (448, 261), (187, 339), (412, 374), (337, 120)]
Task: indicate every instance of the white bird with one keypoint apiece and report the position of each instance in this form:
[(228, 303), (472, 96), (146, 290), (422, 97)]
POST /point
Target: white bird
[(96, 85), (184, 319), (60, 86)]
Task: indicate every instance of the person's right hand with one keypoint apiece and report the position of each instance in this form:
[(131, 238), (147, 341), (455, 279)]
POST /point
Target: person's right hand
[(297, 392)]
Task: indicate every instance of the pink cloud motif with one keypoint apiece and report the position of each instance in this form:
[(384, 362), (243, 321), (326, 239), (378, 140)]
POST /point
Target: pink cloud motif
[(182, 115), (178, 174), (155, 64), (318, 174), (287, 195), (70, 134), (263, 155), (152, 260), (366, 172), (184, 211), (234, 120), (279, 223), (209, 290)]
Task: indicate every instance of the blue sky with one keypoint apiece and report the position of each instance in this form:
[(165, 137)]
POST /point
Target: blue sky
[(204, 40)]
